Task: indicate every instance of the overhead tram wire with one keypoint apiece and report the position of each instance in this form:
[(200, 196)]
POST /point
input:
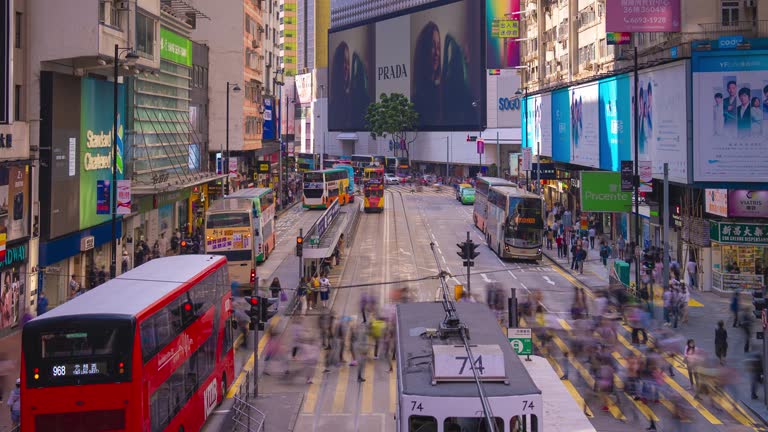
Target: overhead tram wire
[(453, 315)]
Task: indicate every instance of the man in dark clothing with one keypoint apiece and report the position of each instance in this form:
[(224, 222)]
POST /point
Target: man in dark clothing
[(735, 308), (721, 341), (574, 250), (755, 368), (745, 322)]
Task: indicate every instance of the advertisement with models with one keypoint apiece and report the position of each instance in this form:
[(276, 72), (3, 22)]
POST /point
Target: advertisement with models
[(351, 79), (538, 124), (663, 125), (615, 131), (561, 126), (585, 137), (433, 56), (730, 111)]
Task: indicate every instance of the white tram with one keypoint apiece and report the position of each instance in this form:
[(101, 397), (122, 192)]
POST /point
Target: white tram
[(436, 385)]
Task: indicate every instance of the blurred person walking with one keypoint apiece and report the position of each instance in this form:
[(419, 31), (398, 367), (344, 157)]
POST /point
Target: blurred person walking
[(721, 342)]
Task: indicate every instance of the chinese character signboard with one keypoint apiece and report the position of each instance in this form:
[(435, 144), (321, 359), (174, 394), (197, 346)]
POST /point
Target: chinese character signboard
[(737, 233), (642, 15), (716, 202), (123, 197)]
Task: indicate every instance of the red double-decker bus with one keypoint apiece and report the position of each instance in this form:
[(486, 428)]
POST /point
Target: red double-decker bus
[(150, 350)]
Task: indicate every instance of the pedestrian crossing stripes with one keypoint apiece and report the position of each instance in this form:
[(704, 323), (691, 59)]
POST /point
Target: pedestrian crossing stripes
[(443, 191), (337, 391), (671, 392)]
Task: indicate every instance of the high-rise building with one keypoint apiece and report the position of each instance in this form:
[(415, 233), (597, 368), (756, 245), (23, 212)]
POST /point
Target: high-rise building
[(235, 36), (141, 49)]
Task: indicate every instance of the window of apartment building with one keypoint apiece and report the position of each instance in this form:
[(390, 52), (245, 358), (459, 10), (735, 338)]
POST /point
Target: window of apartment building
[(587, 54), (603, 50), (274, 34), (586, 16), (17, 103), (730, 12), (17, 29), (266, 26), (563, 62), (108, 13), (145, 35)]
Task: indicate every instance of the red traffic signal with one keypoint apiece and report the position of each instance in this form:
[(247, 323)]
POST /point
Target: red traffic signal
[(183, 243), (187, 307), (253, 301), (299, 240)]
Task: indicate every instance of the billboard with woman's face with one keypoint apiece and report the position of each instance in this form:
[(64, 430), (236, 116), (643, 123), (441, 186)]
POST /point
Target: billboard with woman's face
[(433, 56), (351, 77)]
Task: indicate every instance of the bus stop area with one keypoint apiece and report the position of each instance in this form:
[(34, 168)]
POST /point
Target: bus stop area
[(322, 238), (278, 405)]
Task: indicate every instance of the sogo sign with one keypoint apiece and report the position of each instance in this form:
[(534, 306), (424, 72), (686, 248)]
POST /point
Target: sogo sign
[(507, 104)]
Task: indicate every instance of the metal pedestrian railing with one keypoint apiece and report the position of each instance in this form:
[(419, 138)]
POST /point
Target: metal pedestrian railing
[(247, 417)]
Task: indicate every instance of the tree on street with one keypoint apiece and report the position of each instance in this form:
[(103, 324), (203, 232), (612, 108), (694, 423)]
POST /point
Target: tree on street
[(394, 116)]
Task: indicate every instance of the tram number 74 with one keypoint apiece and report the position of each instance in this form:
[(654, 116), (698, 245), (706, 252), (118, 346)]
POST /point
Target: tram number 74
[(478, 365)]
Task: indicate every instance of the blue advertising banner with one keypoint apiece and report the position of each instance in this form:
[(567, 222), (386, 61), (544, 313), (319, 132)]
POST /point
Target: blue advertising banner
[(103, 193), (615, 122), (730, 112), (561, 128), (268, 131)]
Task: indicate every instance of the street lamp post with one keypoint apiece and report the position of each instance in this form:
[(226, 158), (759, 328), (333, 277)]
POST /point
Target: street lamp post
[(277, 84), (130, 58), (225, 168), (636, 179)]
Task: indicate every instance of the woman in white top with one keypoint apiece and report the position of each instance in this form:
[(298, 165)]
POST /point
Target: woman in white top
[(325, 290)]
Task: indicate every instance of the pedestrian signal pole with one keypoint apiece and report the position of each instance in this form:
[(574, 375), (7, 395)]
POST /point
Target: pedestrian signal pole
[(257, 313), (300, 253), (467, 252)]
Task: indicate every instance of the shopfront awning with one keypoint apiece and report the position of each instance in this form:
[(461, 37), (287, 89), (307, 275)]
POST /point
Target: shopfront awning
[(175, 184), (347, 136)]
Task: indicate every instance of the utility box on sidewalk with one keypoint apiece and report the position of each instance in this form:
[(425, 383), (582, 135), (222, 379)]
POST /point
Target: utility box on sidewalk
[(622, 269)]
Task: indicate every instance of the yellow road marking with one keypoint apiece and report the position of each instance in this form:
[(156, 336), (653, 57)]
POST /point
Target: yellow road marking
[(342, 384), (642, 407), (571, 389), (614, 410), (672, 383), (246, 368), (368, 374), (393, 389), (574, 281), (310, 400)]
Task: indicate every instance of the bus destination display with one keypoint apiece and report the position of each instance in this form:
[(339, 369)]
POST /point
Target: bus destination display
[(79, 369)]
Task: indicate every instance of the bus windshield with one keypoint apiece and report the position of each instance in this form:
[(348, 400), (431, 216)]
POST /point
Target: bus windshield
[(313, 177), (76, 343), (228, 220), (525, 223)]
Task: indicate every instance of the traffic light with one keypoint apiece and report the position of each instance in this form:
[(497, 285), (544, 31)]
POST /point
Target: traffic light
[(468, 250), (299, 245), (255, 304)]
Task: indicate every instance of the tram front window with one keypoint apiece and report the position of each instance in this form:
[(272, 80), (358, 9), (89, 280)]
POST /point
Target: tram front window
[(520, 424), (418, 423), (470, 424)]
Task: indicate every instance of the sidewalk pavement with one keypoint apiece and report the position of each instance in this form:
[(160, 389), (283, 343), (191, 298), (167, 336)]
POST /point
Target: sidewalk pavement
[(704, 310)]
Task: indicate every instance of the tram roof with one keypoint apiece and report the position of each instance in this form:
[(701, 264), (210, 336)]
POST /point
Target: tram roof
[(514, 191), (495, 181), (483, 330)]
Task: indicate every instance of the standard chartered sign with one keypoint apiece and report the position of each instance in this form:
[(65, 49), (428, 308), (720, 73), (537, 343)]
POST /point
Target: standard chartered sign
[(96, 161), (601, 192)]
